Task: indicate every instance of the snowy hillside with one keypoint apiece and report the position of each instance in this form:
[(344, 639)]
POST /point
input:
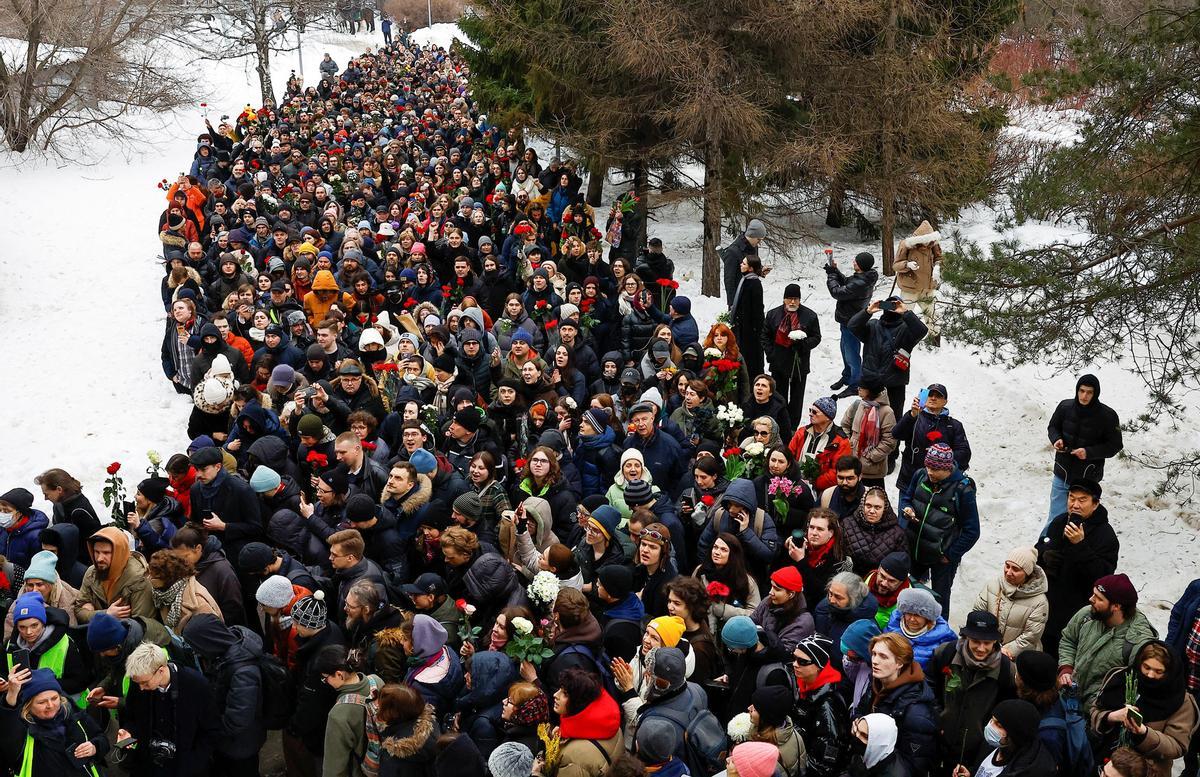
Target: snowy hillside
[(82, 325)]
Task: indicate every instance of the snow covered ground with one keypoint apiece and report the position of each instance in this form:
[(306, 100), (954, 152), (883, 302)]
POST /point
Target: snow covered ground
[(82, 325)]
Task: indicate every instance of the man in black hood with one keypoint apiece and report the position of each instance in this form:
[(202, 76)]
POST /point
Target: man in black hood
[(1084, 432), (210, 346)]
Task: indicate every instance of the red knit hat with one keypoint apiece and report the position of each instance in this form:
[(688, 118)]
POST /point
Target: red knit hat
[(1118, 589), (788, 578)]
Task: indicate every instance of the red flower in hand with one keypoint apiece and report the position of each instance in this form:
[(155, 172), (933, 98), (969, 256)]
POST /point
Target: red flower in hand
[(542, 304), (461, 604), (664, 282), (707, 500), (734, 451), (717, 589), (113, 468), (319, 459), (410, 302), (445, 289), (386, 367)]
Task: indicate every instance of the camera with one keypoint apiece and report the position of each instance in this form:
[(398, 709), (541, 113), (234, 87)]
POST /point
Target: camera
[(162, 751), (888, 305)]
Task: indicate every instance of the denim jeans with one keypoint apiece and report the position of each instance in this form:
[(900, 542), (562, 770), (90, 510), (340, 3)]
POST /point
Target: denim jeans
[(1058, 501), (851, 357)]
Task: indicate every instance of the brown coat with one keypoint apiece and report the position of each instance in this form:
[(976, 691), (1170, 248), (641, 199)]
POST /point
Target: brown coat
[(196, 600), (875, 459), (1165, 741), (921, 247)]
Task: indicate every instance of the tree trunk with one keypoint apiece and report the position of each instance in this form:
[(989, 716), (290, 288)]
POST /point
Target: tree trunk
[(835, 213), (887, 200), (710, 276), (262, 51), (597, 172)]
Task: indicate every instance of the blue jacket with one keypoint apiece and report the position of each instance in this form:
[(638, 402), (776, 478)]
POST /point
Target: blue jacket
[(664, 458), (630, 609), (685, 330), (760, 549), (924, 645), (19, 543), (1183, 615), (598, 461)]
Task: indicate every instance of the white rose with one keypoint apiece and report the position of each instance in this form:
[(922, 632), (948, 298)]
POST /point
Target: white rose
[(522, 625), (469, 610), (712, 353), (754, 448)]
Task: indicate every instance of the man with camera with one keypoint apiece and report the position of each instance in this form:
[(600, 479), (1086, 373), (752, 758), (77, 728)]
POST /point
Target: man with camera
[(888, 342), (167, 724), (852, 293)]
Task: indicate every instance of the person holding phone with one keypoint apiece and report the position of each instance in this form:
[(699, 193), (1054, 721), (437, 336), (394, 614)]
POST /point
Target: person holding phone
[(1157, 723), (33, 710), (888, 343)]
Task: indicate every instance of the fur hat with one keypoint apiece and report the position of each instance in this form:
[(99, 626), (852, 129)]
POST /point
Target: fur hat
[(919, 601)]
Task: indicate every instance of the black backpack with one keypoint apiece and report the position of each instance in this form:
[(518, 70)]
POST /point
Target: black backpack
[(278, 692)]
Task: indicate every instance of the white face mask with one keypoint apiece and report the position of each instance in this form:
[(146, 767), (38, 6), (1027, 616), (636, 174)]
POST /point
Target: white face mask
[(7, 519)]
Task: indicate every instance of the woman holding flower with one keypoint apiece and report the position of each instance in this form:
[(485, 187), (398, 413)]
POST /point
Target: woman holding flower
[(723, 367), (697, 416), (782, 492), (730, 587)]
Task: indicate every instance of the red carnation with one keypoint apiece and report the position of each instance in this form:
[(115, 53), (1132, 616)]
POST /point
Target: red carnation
[(320, 459), (664, 282), (552, 323), (717, 588), (933, 436), (112, 468), (520, 463), (707, 500), (386, 367), (734, 451)]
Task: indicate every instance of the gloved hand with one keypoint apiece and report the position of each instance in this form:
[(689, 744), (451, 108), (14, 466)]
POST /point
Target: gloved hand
[(913, 266), (796, 336)]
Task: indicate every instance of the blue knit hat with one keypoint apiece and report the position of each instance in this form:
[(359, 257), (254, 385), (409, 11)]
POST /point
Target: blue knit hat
[(43, 566), (523, 336), (264, 479), (105, 632), (858, 636), (41, 680), (739, 633), (30, 605), (424, 462), (607, 519), (827, 405)]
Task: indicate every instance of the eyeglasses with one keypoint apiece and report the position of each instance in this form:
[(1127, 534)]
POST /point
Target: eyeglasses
[(539, 460), (762, 432)]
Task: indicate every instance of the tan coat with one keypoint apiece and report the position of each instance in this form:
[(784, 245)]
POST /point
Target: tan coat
[(133, 586), (62, 596), (1166, 741), (875, 460), (196, 600), (1021, 611), (922, 248), (580, 758)]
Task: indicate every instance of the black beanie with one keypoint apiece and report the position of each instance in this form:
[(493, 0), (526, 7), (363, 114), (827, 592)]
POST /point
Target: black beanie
[(154, 488), (773, 703), (617, 580), (1038, 671), (865, 260)]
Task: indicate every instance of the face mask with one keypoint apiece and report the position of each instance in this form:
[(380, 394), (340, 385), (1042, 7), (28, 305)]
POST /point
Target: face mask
[(7, 519), (991, 735)]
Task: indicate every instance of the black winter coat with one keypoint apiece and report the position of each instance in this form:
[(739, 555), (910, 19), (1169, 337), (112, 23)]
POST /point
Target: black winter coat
[(215, 572), (823, 721), (746, 318), (1073, 568), (922, 433), (882, 338), (853, 292), (912, 705), (967, 703), (193, 727), (731, 262), (50, 759), (231, 659), (314, 697), (235, 503), (77, 510), (1094, 427), (795, 356)]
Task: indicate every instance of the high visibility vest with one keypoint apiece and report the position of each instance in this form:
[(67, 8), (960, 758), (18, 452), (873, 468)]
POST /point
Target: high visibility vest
[(27, 756), (55, 659)]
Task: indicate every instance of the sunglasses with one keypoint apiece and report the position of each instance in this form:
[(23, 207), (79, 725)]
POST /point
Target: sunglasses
[(803, 662)]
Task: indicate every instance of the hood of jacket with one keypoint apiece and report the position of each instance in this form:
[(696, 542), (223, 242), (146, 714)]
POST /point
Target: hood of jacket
[(65, 537), (491, 674), (741, 491), (1087, 380), (324, 281), (543, 518), (270, 451), (211, 554), (126, 566), (599, 720), (209, 637), (407, 739)]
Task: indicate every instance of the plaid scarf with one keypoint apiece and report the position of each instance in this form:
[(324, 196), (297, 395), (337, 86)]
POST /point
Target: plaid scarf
[(171, 598)]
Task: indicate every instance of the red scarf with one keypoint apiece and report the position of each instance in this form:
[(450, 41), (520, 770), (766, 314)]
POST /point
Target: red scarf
[(790, 322), (815, 558), (868, 430), (827, 676), (886, 600)]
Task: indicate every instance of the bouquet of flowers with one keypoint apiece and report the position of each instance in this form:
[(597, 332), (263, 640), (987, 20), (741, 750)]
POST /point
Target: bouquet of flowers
[(114, 495), (717, 591), (666, 289), (735, 465), (722, 375), (729, 416), (466, 632), (543, 590), (810, 468), (779, 489), (525, 644), (754, 455)]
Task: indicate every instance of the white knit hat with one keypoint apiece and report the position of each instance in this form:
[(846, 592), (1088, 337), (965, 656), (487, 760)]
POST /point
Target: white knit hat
[(275, 591)]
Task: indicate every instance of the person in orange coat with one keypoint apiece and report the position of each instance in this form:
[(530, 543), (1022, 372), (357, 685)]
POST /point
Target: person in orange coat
[(823, 440), (221, 321), (324, 295), (196, 198), (275, 597)]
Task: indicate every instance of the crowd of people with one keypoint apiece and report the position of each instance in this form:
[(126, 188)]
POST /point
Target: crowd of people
[(468, 490)]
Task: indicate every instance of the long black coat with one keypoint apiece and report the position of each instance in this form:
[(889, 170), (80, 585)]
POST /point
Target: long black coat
[(1072, 569), (784, 359), (235, 503), (193, 730), (1094, 427), (731, 262), (746, 317)]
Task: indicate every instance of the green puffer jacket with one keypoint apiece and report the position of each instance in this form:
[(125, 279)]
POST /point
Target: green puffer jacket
[(1089, 649)]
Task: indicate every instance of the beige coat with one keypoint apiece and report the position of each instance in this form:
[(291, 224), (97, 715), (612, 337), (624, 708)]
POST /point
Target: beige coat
[(1166, 741), (580, 758), (923, 249), (1021, 611), (875, 460), (196, 600)]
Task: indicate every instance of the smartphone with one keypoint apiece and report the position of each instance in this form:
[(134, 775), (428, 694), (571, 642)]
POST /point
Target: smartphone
[(922, 395), (888, 305), (1075, 519), (1135, 714), (797, 536), (21, 658), (126, 742)]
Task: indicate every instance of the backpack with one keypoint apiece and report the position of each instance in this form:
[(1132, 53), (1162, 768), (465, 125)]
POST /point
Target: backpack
[(1078, 761), (372, 729), (180, 652), (278, 690), (704, 741), (324, 581), (602, 667)]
